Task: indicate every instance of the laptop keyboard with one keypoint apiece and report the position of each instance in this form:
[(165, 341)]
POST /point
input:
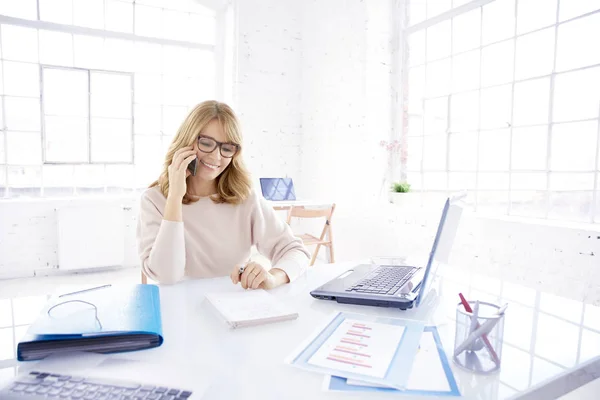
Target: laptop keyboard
[(385, 279), (39, 385)]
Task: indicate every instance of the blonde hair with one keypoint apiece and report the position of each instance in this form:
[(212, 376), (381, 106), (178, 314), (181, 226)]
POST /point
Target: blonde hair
[(233, 184)]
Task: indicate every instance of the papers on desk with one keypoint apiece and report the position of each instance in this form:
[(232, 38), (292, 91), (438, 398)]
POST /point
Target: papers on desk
[(367, 348), (250, 308), (430, 375)]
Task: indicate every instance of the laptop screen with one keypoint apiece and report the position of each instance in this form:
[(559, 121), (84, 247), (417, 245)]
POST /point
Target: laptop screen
[(277, 189)]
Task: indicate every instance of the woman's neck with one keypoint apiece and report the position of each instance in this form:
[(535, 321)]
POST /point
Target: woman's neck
[(200, 187)]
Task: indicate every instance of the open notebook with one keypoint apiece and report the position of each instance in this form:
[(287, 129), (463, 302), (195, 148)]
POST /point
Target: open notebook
[(250, 308)]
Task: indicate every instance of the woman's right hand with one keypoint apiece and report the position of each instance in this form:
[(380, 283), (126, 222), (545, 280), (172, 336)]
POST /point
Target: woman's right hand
[(178, 171)]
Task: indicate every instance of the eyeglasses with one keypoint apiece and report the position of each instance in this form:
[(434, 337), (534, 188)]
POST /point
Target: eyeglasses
[(208, 145)]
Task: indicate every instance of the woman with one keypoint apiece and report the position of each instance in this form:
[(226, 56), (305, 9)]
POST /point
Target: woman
[(204, 225)]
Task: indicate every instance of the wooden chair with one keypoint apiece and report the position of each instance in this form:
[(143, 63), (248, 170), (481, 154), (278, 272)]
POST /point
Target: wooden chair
[(144, 278), (326, 238)]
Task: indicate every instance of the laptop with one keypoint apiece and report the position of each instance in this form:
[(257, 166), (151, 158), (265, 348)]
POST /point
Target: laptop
[(398, 286), (278, 189)]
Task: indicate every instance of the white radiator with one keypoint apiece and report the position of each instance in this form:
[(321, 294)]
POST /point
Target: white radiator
[(90, 236)]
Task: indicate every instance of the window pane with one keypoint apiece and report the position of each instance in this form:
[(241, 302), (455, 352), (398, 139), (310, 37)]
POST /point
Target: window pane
[(571, 181), (147, 119), (19, 43), (110, 95), (416, 89), (147, 89), (175, 90), (2, 150), (535, 54), (493, 181), (465, 71), (199, 89), (59, 11), (118, 55), (26, 9), (438, 78), (436, 115), (434, 156), (464, 115), (463, 151), (111, 140), (494, 150), (529, 181), (532, 99), (172, 119), (574, 8), (89, 179), (119, 16), (25, 181), (203, 29), (529, 148), (89, 51), (119, 177), (577, 95), (575, 48), (176, 25), (495, 107), (89, 13), (466, 31), (148, 57), (415, 179), (574, 146), (528, 203), (497, 63), (148, 21), (597, 219), (437, 7), (416, 47), (535, 14), (56, 48), (415, 153), (3, 189), (65, 92), (438, 41), (22, 114), (461, 181), (66, 139), (575, 206), (58, 180), (417, 12), (498, 20), (21, 79), (174, 59), (23, 148), (435, 181), (148, 150)]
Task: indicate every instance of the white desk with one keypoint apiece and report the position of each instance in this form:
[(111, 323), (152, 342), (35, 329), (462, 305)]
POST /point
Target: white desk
[(248, 363)]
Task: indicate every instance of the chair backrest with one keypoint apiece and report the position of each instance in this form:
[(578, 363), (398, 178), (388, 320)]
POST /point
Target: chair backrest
[(311, 212)]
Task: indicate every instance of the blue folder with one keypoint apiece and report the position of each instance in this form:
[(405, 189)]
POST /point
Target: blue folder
[(106, 319)]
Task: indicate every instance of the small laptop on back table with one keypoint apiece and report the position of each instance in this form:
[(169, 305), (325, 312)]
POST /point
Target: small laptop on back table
[(399, 286)]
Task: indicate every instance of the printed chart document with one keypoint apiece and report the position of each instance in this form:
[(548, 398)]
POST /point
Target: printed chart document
[(430, 375), (360, 346), (369, 348), (250, 308)]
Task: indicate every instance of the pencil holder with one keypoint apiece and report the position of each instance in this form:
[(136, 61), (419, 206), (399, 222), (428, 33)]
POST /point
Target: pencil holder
[(478, 338)]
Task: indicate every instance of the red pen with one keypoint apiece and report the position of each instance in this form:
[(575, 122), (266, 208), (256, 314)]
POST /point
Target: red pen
[(468, 309)]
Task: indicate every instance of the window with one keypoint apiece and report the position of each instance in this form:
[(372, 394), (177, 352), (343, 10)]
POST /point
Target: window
[(92, 92), (503, 100)]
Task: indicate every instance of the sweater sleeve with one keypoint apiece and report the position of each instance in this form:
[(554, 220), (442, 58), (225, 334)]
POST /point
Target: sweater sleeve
[(274, 239), (161, 244)]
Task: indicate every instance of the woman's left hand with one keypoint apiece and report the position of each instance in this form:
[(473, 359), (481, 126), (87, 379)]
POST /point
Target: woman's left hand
[(255, 276)]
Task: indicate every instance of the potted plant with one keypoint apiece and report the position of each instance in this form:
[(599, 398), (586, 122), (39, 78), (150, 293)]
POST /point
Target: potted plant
[(399, 192)]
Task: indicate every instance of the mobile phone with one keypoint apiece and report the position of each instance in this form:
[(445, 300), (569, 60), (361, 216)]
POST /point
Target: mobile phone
[(193, 166)]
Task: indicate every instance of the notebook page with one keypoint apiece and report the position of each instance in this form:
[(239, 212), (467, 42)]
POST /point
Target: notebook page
[(249, 305)]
